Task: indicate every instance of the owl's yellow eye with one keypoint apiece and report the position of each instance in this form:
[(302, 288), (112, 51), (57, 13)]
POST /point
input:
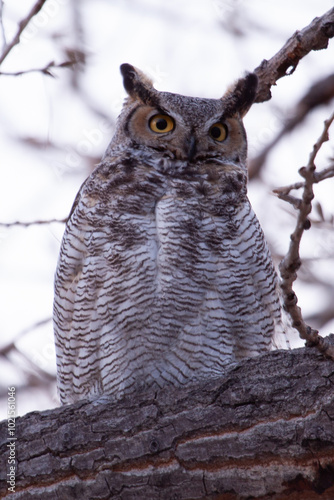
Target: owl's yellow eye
[(218, 132), (161, 124)]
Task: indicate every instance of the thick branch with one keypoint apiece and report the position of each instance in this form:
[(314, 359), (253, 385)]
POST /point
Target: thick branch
[(263, 430), (314, 37)]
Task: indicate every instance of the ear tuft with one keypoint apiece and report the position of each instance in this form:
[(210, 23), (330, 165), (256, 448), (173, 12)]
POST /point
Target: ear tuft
[(138, 85), (241, 96), (129, 74)]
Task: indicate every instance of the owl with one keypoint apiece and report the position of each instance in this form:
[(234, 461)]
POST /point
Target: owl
[(164, 276)]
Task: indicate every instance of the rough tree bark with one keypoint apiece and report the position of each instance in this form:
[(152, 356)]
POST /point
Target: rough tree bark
[(264, 430)]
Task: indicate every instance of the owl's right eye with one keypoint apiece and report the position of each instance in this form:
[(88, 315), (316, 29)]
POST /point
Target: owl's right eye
[(218, 132), (161, 124)]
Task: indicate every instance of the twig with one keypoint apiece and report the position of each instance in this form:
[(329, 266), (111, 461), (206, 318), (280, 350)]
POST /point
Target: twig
[(45, 70), (22, 25), (4, 350), (315, 36), (3, 35), (291, 262), (326, 173), (79, 41), (32, 223), (43, 376), (40, 377), (320, 93)]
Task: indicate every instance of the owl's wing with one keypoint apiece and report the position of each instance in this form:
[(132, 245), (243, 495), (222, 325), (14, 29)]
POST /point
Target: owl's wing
[(104, 254), (76, 294)]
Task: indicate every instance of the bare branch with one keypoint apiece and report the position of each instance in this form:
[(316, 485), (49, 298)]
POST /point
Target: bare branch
[(34, 372), (45, 70), (36, 376), (295, 202), (326, 173), (291, 262), (79, 38), (22, 25), (2, 29), (315, 36), (4, 350), (32, 223), (320, 93)]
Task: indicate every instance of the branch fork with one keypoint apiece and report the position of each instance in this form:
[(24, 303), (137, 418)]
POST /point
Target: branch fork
[(292, 261)]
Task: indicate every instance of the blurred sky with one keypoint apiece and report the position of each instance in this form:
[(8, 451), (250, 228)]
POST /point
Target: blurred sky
[(190, 47)]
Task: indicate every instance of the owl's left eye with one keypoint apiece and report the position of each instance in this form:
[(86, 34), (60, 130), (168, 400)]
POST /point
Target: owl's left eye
[(161, 124), (218, 132)]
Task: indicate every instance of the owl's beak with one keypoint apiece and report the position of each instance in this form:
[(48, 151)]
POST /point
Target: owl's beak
[(192, 146)]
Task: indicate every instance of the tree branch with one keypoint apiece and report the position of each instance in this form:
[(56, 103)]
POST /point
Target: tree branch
[(32, 223), (314, 37), (326, 173), (264, 430), (320, 93), (291, 262), (46, 70), (2, 29), (5, 349), (22, 25)]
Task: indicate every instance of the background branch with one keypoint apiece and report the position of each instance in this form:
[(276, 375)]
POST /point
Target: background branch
[(2, 29), (291, 262), (46, 70), (32, 223), (326, 173), (318, 94), (22, 25)]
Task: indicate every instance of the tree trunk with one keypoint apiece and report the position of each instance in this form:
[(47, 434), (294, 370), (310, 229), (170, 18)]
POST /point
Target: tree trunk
[(264, 430)]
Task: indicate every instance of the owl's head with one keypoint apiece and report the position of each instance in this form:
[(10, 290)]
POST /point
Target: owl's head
[(184, 128)]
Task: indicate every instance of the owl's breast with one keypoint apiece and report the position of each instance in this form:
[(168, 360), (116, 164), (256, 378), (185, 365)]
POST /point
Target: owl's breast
[(171, 277), (215, 278)]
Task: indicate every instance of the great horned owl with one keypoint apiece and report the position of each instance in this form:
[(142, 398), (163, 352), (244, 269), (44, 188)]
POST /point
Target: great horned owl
[(164, 275)]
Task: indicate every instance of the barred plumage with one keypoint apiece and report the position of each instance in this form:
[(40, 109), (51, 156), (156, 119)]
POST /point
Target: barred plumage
[(164, 275)]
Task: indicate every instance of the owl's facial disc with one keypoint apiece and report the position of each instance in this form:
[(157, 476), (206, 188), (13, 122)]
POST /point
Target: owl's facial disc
[(160, 130), (186, 135)]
